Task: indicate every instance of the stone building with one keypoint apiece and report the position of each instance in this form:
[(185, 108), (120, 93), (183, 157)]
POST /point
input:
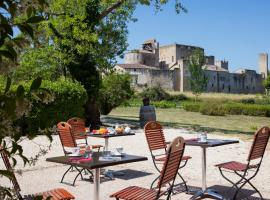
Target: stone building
[(167, 66)]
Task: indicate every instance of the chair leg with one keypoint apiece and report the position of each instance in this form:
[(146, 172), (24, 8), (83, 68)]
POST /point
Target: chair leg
[(184, 182), (65, 174), (152, 184), (248, 181)]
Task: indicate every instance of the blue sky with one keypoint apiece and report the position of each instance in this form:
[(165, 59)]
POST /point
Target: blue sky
[(235, 30)]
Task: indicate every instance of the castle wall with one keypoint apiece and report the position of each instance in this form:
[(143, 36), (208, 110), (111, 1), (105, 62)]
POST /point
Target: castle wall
[(167, 54)]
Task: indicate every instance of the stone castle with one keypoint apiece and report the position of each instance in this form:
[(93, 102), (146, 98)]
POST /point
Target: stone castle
[(167, 66)]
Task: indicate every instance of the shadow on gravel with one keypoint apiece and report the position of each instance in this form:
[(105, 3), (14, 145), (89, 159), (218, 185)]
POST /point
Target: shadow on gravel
[(134, 123), (128, 174), (225, 191)]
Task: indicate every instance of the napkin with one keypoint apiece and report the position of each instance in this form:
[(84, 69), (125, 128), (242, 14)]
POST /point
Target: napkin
[(80, 159)]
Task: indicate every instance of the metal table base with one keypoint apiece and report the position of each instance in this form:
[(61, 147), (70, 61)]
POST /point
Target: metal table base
[(204, 191)]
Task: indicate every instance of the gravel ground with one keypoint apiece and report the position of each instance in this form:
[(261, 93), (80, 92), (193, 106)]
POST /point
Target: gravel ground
[(44, 175)]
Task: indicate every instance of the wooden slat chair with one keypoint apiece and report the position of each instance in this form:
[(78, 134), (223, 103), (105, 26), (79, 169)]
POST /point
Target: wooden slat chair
[(67, 140), (156, 143), (78, 130), (247, 171), (54, 194), (167, 176)]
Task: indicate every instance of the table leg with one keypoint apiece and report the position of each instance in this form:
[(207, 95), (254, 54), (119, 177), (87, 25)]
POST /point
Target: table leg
[(96, 183), (106, 144), (204, 191), (203, 169)]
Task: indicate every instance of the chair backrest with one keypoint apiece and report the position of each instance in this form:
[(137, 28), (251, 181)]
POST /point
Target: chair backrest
[(77, 127), (154, 136), (172, 162), (260, 141), (9, 168), (65, 134)]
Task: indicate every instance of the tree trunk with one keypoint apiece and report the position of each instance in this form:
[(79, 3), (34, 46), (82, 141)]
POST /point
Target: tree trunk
[(92, 114)]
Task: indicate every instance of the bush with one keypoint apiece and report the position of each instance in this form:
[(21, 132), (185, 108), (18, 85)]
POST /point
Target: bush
[(248, 109), (155, 94), (248, 101), (179, 97), (115, 90), (69, 99), (217, 109), (191, 106), (213, 109), (164, 104)]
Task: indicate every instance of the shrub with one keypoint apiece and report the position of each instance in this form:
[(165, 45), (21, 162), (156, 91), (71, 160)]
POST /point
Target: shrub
[(214, 109), (115, 90), (164, 104), (155, 94), (179, 97), (69, 99), (191, 106), (248, 101)]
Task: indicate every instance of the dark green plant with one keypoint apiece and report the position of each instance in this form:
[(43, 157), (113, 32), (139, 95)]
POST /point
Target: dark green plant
[(115, 90), (212, 109), (197, 80), (69, 99), (155, 93)]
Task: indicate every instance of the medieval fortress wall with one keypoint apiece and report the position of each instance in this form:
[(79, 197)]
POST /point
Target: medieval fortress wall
[(167, 66)]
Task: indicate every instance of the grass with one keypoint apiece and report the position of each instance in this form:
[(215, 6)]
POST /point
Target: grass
[(235, 125)]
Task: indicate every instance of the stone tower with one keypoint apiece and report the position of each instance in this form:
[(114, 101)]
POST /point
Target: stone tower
[(263, 65)]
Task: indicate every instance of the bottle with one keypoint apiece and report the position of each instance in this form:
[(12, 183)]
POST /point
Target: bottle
[(88, 152)]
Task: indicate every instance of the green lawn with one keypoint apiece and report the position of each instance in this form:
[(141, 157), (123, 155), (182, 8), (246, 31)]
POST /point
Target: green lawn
[(230, 124)]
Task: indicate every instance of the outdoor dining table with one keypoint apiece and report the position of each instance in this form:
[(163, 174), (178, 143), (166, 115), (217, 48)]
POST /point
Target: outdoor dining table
[(107, 136), (96, 164), (204, 145)]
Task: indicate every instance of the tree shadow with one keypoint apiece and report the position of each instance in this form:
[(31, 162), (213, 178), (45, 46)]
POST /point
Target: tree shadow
[(111, 120), (128, 174), (225, 191)]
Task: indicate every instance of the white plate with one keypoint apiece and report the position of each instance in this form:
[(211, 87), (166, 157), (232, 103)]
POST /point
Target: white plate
[(74, 155)]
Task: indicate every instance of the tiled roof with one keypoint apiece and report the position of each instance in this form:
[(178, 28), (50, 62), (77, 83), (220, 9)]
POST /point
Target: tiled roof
[(136, 66)]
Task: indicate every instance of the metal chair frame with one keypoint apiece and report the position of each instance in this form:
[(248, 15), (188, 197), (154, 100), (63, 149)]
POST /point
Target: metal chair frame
[(72, 143), (251, 169), (167, 175), (164, 147)]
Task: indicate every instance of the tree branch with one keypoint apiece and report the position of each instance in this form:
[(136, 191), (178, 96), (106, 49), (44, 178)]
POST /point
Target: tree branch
[(116, 5)]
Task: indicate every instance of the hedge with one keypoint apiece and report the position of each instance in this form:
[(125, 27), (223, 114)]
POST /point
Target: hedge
[(69, 98), (216, 109)]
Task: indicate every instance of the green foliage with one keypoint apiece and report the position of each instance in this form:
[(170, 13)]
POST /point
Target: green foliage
[(248, 101), (22, 15), (231, 108), (114, 91), (178, 97), (155, 93), (69, 99), (34, 62), (164, 104), (191, 106), (197, 80), (213, 109), (266, 84)]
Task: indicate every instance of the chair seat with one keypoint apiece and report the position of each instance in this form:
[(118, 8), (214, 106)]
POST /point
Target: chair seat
[(162, 159), (135, 193), (55, 194), (235, 166)]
